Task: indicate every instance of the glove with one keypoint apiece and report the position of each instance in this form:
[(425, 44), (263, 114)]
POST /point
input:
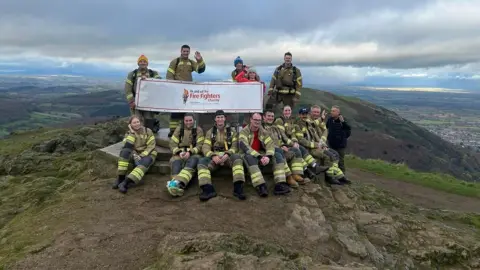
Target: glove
[(137, 158)]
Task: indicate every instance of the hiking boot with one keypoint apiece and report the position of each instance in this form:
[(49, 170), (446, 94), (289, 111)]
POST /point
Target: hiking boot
[(309, 174), (281, 188), (175, 188), (344, 181), (291, 182), (330, 181), (125, 185), (262, 190), (299, 179), (117, 182), (238, 190), (208, 192)]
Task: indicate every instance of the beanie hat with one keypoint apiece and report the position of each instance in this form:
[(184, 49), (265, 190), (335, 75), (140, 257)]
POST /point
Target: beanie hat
[(238, 60), (142, 57), (219, 112)]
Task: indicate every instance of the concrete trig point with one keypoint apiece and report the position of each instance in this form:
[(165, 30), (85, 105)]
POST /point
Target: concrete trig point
[(201, 99)]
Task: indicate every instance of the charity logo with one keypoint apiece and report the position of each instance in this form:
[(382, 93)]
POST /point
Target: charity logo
[(185, 96), (199, 96)]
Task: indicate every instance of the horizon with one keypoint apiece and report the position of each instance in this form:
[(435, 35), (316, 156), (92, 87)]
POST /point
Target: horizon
[(423, 43)]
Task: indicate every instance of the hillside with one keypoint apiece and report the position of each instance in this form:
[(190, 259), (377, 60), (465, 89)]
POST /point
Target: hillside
[(57, 211), (381, 133)]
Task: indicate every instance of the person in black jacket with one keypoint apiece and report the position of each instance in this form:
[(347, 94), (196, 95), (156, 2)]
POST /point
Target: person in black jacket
[(338, 132)]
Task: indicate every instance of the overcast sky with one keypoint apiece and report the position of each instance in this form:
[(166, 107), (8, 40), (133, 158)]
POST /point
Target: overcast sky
[(341, 39)]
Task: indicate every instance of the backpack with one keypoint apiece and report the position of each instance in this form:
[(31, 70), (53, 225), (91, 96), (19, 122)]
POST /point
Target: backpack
[(194, 133), (294, 71), (134, 78), (199, 71), (229, 136)]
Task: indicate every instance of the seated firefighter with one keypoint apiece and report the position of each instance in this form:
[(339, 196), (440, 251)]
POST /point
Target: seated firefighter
[(220, 149), (186, 144), (288, 125), (284, 145), (139, 147), (308, 137), (257, 148)]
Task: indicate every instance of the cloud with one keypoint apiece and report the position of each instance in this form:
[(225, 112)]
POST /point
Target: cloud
[(334, 40)]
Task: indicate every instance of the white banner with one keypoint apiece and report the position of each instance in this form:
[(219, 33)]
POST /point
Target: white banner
[(198, 97)]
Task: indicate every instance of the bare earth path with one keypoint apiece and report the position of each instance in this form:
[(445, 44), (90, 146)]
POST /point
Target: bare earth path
[(418, 195), (95, 227)]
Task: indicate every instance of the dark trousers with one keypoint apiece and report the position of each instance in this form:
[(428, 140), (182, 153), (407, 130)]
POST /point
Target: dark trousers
[(341, 162)]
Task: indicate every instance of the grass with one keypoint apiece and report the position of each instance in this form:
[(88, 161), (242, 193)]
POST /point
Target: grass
[(438, 181)]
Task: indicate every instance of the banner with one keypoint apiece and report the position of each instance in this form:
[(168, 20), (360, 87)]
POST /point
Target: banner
[(198, 97)]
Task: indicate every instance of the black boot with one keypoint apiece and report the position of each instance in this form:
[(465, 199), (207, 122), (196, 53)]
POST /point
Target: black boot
[(330, 181), (344, 181), (281, 188), (118, 181), (308, 173), (208, 192), (238, 190), (125, 185), (262, 190)]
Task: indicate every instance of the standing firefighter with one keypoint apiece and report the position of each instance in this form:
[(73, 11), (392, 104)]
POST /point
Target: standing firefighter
[(220, 148), (180, 69), (285, 85), (258, 148), (139, 148), (130, 87), (186, 145)]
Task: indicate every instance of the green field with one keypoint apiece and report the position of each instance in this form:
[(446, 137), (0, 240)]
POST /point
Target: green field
[(438, 181)]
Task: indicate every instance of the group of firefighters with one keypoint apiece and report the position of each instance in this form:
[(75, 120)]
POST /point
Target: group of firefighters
[(295, 147)]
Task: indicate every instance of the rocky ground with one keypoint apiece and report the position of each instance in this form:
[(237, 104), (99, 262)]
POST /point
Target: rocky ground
[(83, 224)]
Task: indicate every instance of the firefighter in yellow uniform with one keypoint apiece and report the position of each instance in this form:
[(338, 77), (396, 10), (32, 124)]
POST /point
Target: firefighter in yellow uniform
[(287, 123), (308, 138), (257, 148), (220, 148), (284, 145), (139, 148), (180, 69), (285, 85), (318, 119), (130, 86), (186, 146)]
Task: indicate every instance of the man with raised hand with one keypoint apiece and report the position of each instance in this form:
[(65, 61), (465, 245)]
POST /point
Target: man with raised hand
[(220, 148), (257, 148), (180, 69)]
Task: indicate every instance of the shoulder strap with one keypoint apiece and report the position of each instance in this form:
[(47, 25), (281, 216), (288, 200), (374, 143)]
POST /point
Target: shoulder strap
[(134, 80), (194, 134), (229, 136), (277, 70), (214, 135), (182, 131), (151, 73), (178, 62), (294, 77)]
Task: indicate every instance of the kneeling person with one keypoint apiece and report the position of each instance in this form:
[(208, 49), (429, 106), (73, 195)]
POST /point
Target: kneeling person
[(258, 148), (220, 148), (186, 144), (139, 147)]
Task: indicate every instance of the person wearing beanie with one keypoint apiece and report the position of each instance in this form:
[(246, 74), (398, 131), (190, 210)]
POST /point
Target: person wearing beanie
[(220, 148), (238, 64), (130, 88)]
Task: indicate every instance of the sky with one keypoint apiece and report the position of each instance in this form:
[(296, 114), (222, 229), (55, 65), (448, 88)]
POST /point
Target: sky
[(332, 42)]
